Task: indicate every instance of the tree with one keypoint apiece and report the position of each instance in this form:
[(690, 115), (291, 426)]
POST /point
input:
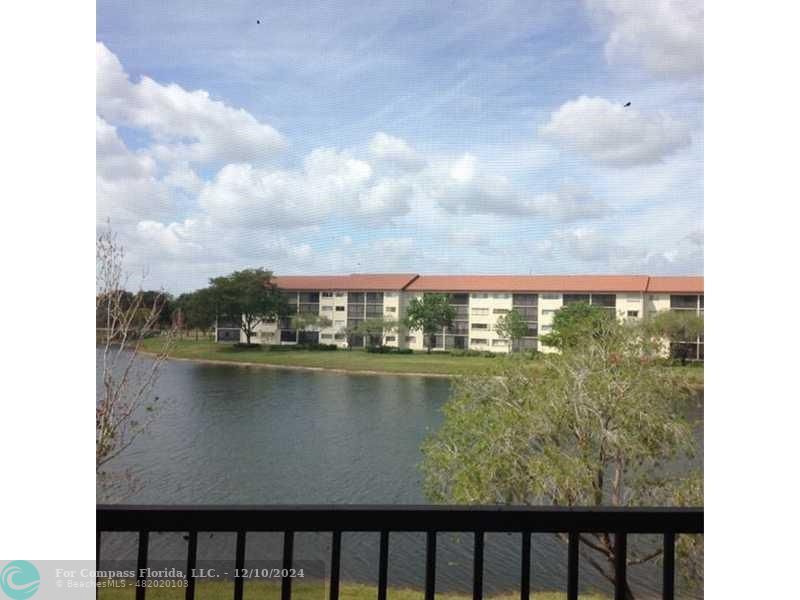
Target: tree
[(126, 403), (430, 314), (598, 424), (375, 328), (573, 323), (512, 326), (309, 322), (249, 296), (198, 309), (678, 327)]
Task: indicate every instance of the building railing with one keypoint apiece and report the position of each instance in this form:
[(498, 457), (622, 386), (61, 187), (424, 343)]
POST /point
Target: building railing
[(667, 522)]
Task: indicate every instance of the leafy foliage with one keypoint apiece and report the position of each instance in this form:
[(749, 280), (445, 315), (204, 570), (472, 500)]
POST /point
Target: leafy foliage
[(676, 326), (251, 294), (573, 323), (512, 326), (598, 424), (430, 314)]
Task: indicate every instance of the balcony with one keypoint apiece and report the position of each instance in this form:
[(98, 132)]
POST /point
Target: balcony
[(478, 520)]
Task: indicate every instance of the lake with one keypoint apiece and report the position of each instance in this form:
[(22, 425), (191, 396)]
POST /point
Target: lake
[(246, 435)]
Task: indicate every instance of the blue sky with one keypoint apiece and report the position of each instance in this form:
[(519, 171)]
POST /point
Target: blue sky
[(450, 137)]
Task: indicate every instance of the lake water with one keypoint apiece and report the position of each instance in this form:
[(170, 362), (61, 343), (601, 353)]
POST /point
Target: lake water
[(239, 435)]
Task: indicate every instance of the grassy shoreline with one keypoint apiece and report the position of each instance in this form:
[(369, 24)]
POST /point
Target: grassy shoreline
[(354, 361), (301, 590)]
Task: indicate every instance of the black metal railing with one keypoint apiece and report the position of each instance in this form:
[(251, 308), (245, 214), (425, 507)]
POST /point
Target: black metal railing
[(667, 522)]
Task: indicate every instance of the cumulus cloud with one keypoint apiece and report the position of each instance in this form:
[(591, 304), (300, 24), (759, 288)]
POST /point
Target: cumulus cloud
[(127, 184), (330, 182), (597, 251), (463, 188), (185, 125), (396, 152), (664, 36), (613, 135)]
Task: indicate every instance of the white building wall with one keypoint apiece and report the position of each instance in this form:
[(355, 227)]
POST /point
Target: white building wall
[(484, 308)]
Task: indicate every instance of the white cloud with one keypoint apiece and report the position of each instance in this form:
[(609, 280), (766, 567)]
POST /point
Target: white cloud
[(461, 187), (127, 186), (614, 135), (331, 182), (664, 36), (185, 125), (396, 152)]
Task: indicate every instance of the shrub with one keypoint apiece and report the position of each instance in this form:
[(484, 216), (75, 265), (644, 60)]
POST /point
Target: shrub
[(388, 350), (312, 347), (244, 346)]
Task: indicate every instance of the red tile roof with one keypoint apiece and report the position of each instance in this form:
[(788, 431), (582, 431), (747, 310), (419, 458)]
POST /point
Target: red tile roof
[(355, 281), (688, 285), (530, 283), (492, 283)]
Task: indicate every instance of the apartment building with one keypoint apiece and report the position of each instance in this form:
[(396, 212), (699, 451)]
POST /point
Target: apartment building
[(478, 300)]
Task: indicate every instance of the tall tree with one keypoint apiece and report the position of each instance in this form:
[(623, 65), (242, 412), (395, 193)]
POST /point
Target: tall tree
[(249, 296), (598, 424), (430, 314), (126, 404), (198, 309), (375, 328), (512, 326), (679, 327), (573, 323)]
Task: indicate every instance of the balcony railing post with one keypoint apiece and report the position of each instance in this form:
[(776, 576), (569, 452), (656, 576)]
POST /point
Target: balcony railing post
[(525, 576), (141, 564), (669, 567), (383, 565), (620, 565), (430, 566), (572, 566), (477, 567), (191, 563), (336, 552), (288, 550), (238, 581)]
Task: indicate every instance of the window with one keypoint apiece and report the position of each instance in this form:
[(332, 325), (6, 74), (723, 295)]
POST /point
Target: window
[(328, 308), (499, 342), (501, 311), (340, 336), (267, 335), (410, 339), (478, 342), (390, 309), (479, 295), (479, 311), (633, 314), (576, 298), (683, 302), (606, 300), (501, 296), (327, 294), (326, 336), (480, 326), (339, 323), (340, 309), (340, 294), (526, 299), (390, 294), (390, 338), (551, 296)]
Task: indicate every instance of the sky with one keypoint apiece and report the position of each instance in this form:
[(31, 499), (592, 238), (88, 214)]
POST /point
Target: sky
[(441, 138)]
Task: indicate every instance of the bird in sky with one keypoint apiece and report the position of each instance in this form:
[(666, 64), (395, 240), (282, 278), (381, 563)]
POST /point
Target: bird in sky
[(258, 22), (626, 104)]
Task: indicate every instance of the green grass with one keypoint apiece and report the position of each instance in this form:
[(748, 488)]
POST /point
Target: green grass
[(353, 360), (271, 590)]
